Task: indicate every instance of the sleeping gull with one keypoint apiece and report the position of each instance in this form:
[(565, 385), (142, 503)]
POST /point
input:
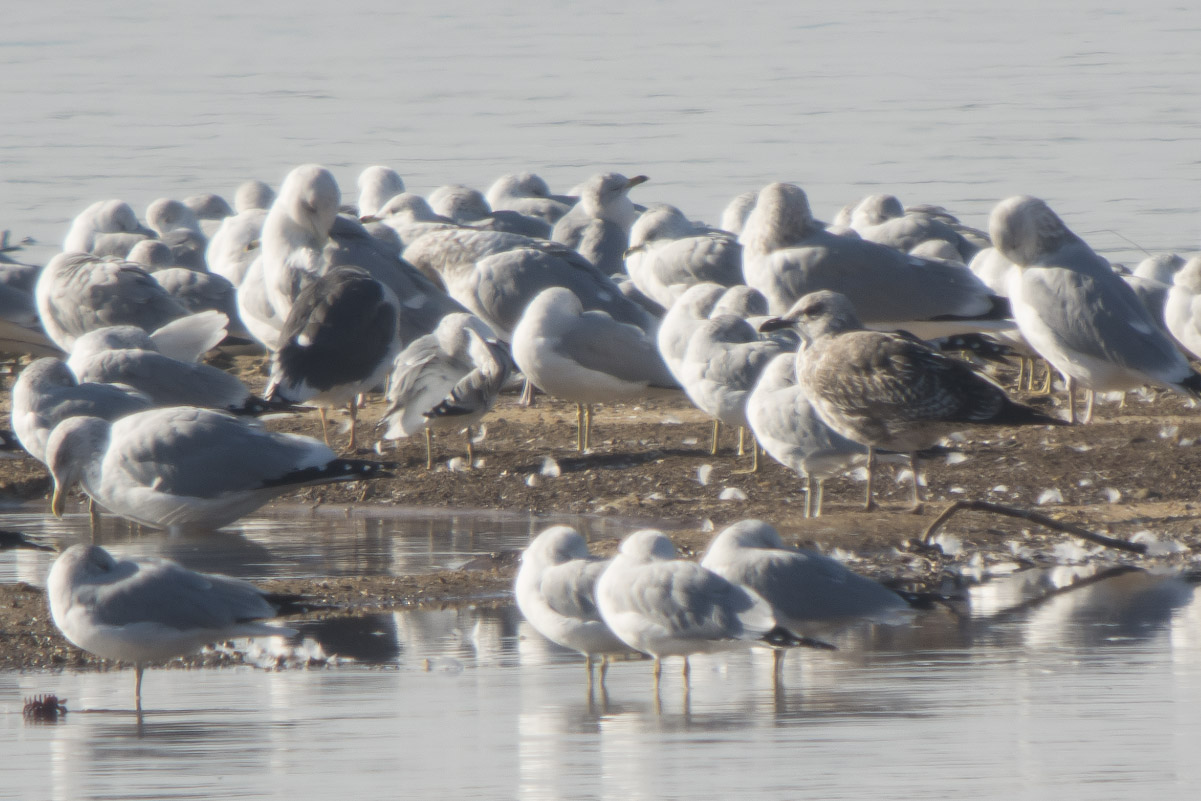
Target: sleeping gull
[(789, 429), (1077, 313), (447, 379), (526, 193), (235, 245), (882, 219), (377, 185), (410, 217), (112, 220), (183, 468), (468, 206), (147, 610), (724, 359), (127, 355), (809, 593), (556, 592), (338, 341), (733, 217), (585, 357), (46, 392), (165, 215), (682, 319), (787, 254), (599, 225), (662, 605), (668, 253), (1182, 312), (890, 391), (253, 194), (78, 292)]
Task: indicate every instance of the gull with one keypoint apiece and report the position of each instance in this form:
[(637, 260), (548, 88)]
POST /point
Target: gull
[(147, 610), (733, 217), (165, 215), (526, 193), (788, 428), (682, 319), (151, 255), (253, 194), (78, 292), (377, 185), (468, 206), (1161, 267), (107, 224), (338, 341), (496, 274), (599, 225), (411, 217), (662, 605), (234, 246), (198, 292), (446, 379), (787, 254), (1182, 312), (1077, 313), (889, 391), (585, 357), (183, 468), (128, 356), (556, 592), (210, 210), (46, 392), (882, 219), (724, 359), (669, 253), (809, 593)]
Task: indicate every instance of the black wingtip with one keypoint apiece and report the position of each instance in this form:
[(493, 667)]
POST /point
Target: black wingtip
[(337, 470), (1192, 385), (780, 637)]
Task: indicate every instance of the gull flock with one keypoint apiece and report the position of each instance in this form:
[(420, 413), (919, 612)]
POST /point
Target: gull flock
[(819, 339)]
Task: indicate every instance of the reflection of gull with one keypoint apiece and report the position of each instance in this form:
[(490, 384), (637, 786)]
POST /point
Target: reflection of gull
[(789, 429), (47, 392), (599, 225), (446, 379), (662, 605), (377, 185), (668, 253), (556, 591), (147, 610), (127, 355), (810, 593), (186, 468), (1076, 312), (584, 357), (787, 254), (526, 193), (77, 293), (339, 340), (1182, 312), (890, 391)]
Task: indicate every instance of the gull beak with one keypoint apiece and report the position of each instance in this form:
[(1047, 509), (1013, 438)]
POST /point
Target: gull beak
[(637, 179), (369, 218), (58, 501), (774, 324)]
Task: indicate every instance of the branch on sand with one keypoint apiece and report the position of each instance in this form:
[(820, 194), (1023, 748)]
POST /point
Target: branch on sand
[(1033, 517)]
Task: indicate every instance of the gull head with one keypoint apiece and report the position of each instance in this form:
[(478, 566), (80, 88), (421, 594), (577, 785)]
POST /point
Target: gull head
[(460, 203), (818, 314), (748, 534), (378, 185), (605, 196), (781, 217), (253, 194), (876, 209), (555, 546), (1023, 228), (660, 223), (648, 545), (165, 214), (72, 448), (308, 200)]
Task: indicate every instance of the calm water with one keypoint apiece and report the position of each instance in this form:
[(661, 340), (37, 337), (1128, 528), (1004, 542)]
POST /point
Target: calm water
[(1090, 695)]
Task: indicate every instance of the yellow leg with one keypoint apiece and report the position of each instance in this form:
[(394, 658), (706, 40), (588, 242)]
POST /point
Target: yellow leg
[(579, 428), (354, 428), (716, 431), (324, 428), (470, 452), (868, 503), (429, 449)]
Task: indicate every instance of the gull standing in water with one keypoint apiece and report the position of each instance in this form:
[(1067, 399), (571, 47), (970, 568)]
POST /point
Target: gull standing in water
[(184, 468), (147, 610), (556, 592), (338, 341), (447, 379), (585, 357), (809, 593), (889, 391), (787, 254), (1077, 313), (662, 605)]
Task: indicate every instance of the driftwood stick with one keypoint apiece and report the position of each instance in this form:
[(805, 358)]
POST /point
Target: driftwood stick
[(1033, 517)]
